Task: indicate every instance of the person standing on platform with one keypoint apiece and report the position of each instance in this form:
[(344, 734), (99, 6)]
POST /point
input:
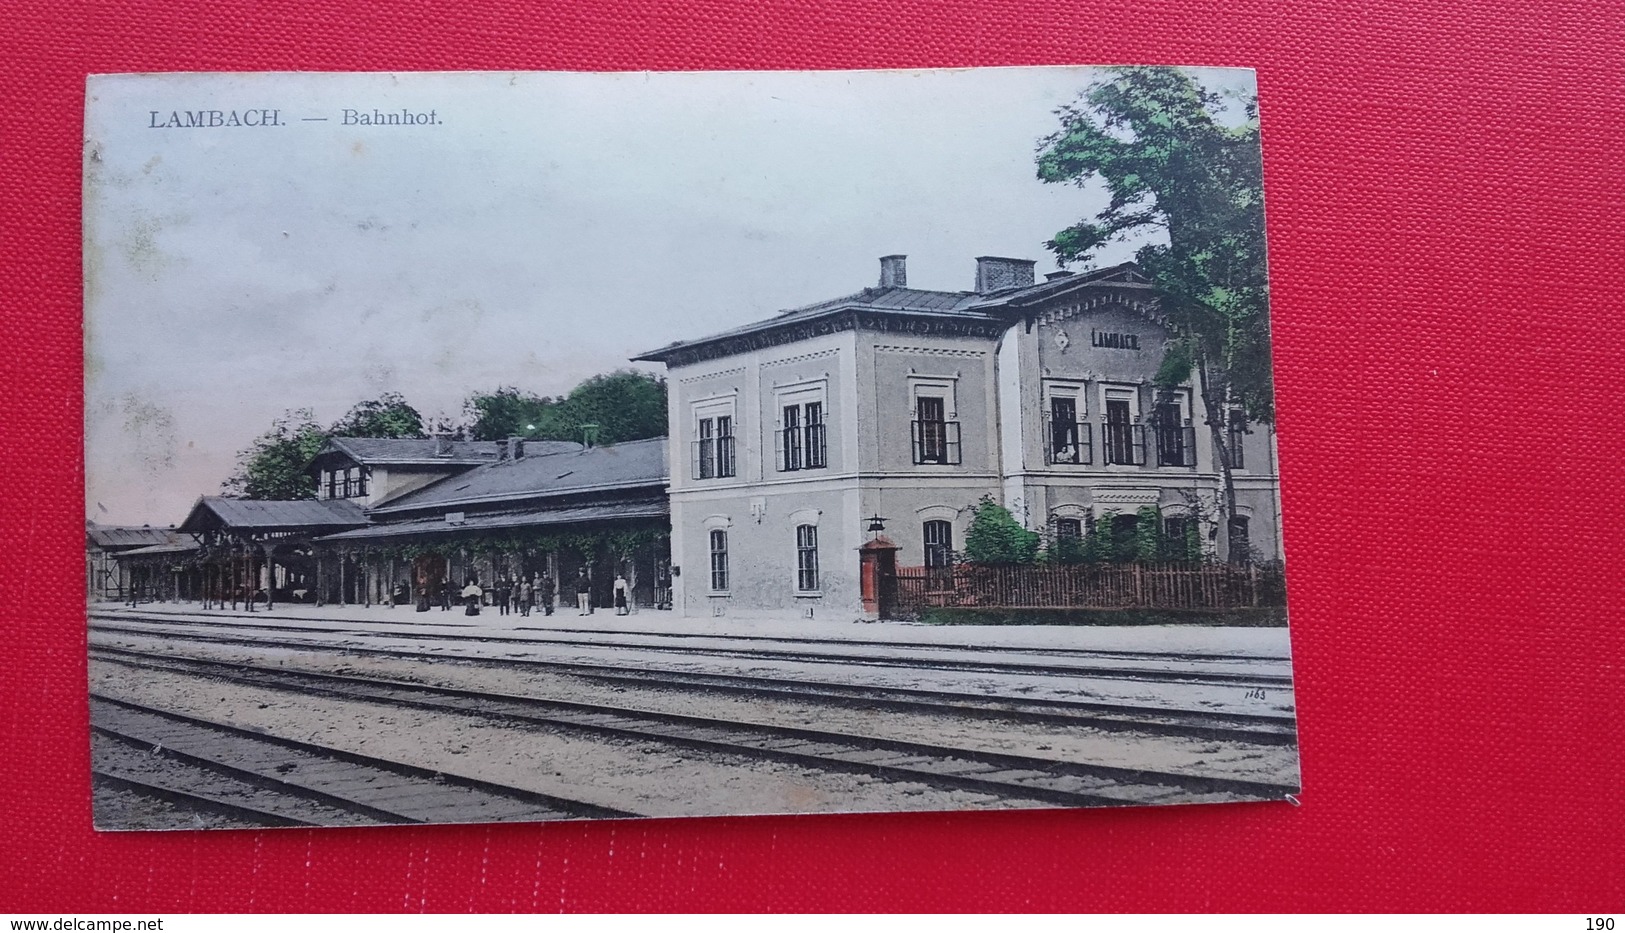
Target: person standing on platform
[(471, 597), (583, 592), (527, 595), (445, 595), (544, 592), (502, 592), (621, 595)]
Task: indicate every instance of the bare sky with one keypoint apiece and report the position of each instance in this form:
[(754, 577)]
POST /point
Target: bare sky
[(546, 229)]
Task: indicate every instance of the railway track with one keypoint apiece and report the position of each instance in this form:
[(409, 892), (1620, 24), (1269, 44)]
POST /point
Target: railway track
[(1137, 674), (999, 774), (676, 635), (262, 780), (1261, 729)]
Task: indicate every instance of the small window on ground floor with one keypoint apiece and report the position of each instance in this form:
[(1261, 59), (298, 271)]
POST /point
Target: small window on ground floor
[(719, 561), (807, 558), (939, 544)]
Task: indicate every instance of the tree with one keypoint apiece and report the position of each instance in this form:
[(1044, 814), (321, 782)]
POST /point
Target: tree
[(386, 416), (506, 412), (1178, 158), (626, 406), (995, 537), (273, 466)]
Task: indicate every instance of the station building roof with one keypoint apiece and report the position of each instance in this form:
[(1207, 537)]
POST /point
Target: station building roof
[(428, 452), (648, 507), (183, 544), (212, 513), (993, 307), (623, 467), (127, 537)]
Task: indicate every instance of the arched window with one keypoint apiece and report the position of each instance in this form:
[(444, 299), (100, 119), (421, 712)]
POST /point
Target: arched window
[(939, 543), (1068, 530), (719, 560), (807, 558)]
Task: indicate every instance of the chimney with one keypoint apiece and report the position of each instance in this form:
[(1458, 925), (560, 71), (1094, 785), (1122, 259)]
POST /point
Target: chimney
[(1057, 274), (997, 273), (515, 448), (894, 271), (442, 444)]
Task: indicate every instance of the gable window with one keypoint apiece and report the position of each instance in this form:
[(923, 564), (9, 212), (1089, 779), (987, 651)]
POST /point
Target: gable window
[(806, 558), (332, 478), (719, 561), (714, 447), (353, 485), (939, 544)]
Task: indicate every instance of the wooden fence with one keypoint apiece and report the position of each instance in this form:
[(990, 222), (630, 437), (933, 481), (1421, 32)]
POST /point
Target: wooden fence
[(1084, 586)]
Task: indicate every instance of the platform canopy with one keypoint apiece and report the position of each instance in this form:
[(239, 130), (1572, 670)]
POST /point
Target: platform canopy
[(539, 517), (264, 516)]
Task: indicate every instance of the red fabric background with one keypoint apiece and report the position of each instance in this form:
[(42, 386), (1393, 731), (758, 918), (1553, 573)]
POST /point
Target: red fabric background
[(1445, 196)]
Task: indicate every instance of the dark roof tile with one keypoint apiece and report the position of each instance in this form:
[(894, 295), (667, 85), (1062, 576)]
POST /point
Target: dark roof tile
[(653, 507), (272, 514), (615, 466)]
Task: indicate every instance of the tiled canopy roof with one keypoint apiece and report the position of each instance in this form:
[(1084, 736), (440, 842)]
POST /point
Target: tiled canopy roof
[(118, 537), (182, 544), (213, 512), (641, 508), (385, 451), (627, 465)]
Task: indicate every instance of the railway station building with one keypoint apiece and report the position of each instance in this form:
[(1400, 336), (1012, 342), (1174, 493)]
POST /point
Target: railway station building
[(536, 507), (797, 448), (797, 440)]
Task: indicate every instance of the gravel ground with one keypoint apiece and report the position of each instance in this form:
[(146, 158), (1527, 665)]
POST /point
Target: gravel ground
[(657, 779), (643, 777), (1181, 754), (1224, 698), (156, 768), (117, 809), (1197, 639)]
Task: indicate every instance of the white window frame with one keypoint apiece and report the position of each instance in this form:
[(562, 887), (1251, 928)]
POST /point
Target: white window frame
[(817, 574), (799, 394), (1078, 392), (933, 386), (711, 553), (1111, 391), (1180, 397), (713, 407)]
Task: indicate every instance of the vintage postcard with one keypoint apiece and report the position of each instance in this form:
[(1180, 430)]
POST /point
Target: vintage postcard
[(478, 447)]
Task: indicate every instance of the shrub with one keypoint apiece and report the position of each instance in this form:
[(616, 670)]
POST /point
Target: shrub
[(995, 537)]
